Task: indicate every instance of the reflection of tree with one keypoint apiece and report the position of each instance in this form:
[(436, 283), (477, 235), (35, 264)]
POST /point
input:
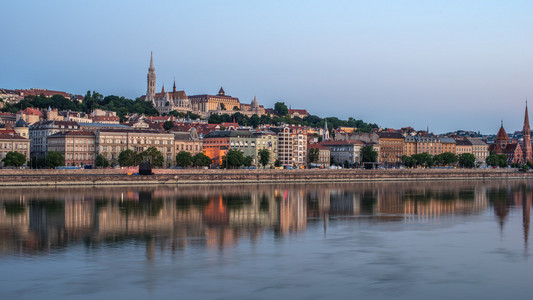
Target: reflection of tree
[(151, 208), (14, 208), (236, 201), (368, 199)]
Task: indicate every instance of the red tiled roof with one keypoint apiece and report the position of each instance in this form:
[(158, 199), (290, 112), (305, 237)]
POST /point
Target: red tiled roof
[(32, 111), (10, 136)]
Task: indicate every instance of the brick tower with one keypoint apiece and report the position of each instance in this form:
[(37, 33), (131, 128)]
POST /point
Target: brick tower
[(528, 152)]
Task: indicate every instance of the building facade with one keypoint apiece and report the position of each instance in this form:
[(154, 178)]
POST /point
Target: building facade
[(40, 131), (77, 147), (13, 143)]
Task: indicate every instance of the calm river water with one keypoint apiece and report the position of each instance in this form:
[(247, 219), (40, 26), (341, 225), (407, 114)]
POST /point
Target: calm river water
[(413, 240)]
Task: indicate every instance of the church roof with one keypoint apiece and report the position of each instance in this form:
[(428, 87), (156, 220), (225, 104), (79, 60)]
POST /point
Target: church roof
[(502, 135), (221, 91)]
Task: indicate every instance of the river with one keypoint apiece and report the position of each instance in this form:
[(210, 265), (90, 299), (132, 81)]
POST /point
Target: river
[(401, 240)]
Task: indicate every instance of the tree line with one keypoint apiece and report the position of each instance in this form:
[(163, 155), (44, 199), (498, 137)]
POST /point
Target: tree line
[(92, 100)]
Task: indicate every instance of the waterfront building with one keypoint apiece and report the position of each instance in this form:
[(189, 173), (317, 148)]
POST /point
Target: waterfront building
[(324, 155), (463, 146), (448, 145), (391, 147), (410, 146), (110, 142), (292, 145), (40, 131), (188, 141), (266, 140), (480, 149), (215, 145), (10, 142), (244, 141), (343, 152), (77, 147)]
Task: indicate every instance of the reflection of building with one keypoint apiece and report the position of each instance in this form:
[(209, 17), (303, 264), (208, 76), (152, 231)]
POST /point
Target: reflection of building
[(292, 212)]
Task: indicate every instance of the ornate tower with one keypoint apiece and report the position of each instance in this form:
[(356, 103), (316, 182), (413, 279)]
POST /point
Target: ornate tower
[(150, 90), (528, 152)]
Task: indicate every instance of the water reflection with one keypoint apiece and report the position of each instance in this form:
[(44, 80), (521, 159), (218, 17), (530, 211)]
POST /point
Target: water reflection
[(173, 218)]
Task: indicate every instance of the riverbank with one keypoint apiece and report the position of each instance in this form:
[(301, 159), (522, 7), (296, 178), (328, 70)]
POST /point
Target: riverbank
[(195, 176)]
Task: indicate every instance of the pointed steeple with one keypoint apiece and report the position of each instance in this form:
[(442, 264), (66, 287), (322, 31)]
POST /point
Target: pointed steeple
[(163, 88), (221, 92), (526, 118), (150, 84), (325, 134), (174, 87), (526, 145)]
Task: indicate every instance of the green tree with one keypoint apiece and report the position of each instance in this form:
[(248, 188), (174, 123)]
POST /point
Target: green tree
[(14, 159), (313, 155), (423, 159), (168, 125), (153, 156), (368, 155), (254, 121), (201, 160), (233, 159), (445, 159), (281, 109), (467, 160), (408, 161), (248, 161), (277, 163), (236, 108), (127, 158), (222, 106), (54, 159), (264, 157), (183, 159), (497, 160), (101, 161)]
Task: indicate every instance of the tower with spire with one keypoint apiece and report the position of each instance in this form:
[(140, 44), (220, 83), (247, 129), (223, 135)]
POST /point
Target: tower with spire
[(325, 134), (526, 147), (150, 89)]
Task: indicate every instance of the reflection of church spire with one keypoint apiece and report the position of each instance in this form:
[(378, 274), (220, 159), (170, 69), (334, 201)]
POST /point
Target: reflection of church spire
[(526, 212)]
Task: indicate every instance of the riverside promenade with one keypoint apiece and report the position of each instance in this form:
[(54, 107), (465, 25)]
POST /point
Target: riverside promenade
[(100, 177)]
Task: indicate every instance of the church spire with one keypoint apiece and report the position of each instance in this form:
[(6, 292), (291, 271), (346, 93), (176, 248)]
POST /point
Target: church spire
[(526, 131), (150, 85), (174, 87)]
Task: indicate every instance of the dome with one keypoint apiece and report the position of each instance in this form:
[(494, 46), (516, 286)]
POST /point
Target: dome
[(21, 123)]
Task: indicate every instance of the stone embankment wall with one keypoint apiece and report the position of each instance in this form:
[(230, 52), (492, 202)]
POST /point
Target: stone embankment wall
[(195, 176)]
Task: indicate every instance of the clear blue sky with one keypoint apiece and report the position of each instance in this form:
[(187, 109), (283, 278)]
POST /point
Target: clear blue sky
[(447, 64)]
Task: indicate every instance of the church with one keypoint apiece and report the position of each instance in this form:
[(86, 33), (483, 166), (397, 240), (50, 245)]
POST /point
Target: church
[(204, 105), (513, 150)]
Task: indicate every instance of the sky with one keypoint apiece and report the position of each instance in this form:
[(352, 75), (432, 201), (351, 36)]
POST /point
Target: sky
[(448, 64)]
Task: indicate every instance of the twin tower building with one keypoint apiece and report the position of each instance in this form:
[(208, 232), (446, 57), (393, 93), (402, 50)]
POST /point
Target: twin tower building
[(204, 105)]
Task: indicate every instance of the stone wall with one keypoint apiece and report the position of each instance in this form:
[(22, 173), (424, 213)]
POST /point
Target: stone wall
[(200, 176)]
